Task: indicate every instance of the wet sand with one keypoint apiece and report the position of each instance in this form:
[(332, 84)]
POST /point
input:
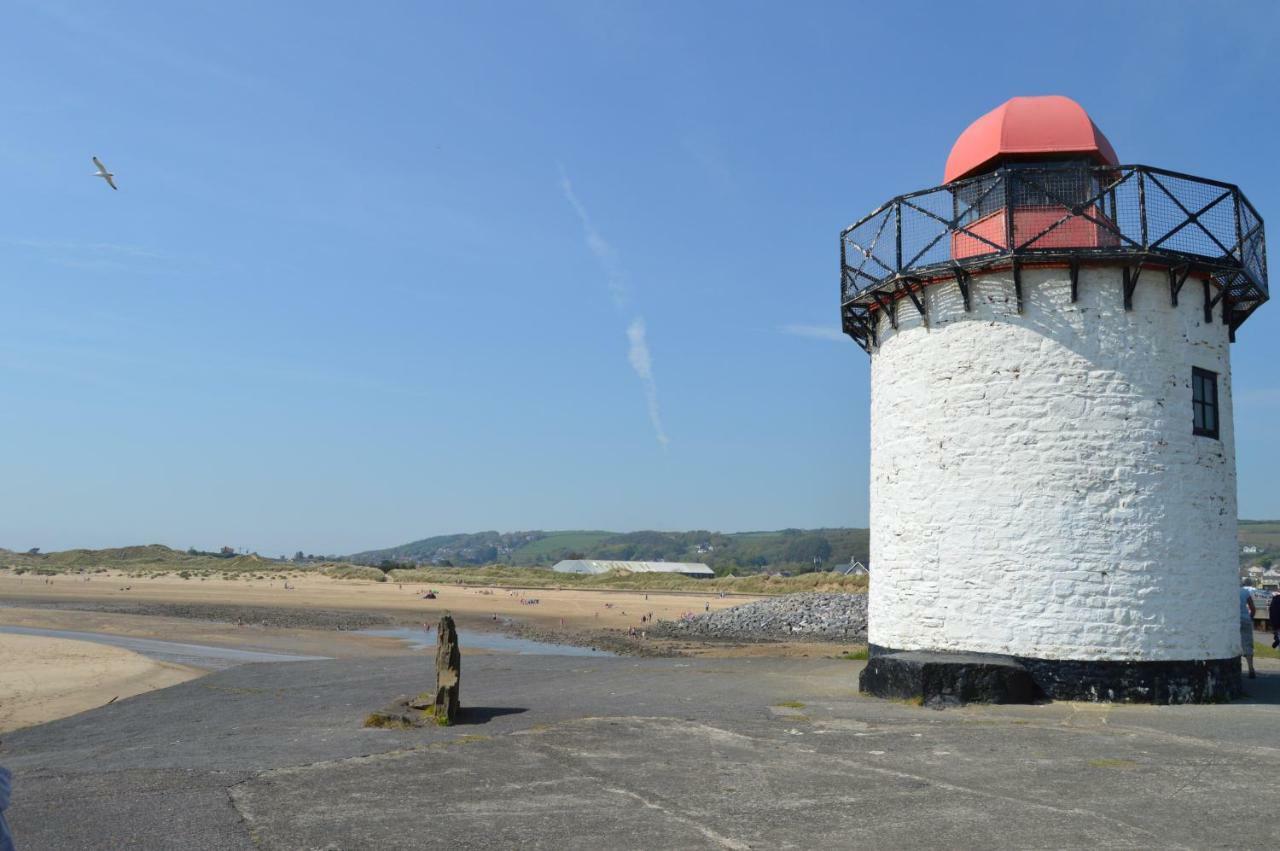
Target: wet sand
[(46, 678)]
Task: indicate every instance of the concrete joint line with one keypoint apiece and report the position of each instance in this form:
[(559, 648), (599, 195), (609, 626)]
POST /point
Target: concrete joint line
[(563, 756), (996, 796), (719, 839)]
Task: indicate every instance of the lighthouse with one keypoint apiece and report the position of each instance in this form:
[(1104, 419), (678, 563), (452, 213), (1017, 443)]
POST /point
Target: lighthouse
[(1053, 476)]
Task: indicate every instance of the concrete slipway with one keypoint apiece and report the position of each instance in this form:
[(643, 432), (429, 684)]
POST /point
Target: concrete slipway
[(570, 752)]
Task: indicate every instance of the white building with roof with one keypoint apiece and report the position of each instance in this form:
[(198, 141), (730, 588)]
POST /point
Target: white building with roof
[(1052, 446), (853, 568)]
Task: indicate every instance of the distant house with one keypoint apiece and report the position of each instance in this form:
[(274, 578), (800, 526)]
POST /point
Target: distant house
[(1250, 550), (854, 568), (1270, 579), (596, 566)]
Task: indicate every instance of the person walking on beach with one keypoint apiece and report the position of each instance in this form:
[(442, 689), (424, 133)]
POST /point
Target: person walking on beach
[(1247, 611)]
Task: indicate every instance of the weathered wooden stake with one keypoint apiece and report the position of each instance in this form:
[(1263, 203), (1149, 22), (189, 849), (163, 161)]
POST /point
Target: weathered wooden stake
[(448, 671)]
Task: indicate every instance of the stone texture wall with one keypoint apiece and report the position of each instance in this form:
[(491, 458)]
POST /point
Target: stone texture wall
[(1035, 486)]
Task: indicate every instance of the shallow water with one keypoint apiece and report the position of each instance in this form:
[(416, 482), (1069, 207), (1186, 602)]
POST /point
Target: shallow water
[(195, 655), (421, 639)]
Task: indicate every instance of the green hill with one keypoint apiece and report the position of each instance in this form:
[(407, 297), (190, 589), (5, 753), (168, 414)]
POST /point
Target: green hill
[(1263, 534), (557, 545), (739, 552), (462, 549)]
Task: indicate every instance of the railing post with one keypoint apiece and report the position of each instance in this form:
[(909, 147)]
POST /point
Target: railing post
[(843, 266), (1227, 310), (1235, 200), (1142, 207), (897, 235), (1008, 210)]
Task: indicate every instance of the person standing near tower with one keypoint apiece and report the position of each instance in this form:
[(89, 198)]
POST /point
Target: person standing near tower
[(1247, 611), (1273, 615)]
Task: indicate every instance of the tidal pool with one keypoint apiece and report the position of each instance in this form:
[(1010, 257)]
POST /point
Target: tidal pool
[(195, 655), (420, 639)]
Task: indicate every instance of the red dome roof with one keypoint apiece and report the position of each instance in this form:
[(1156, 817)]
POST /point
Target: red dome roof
[(1027, 126)]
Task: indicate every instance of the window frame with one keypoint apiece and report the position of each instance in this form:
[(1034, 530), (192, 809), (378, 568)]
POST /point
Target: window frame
[(1206, 406)]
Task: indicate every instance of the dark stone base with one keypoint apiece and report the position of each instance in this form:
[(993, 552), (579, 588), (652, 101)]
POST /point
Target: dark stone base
[(946, 679), (957, 678), (1203, 681)]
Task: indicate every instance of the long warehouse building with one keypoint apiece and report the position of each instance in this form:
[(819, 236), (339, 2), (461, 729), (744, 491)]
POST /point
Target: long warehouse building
[(697, 571)]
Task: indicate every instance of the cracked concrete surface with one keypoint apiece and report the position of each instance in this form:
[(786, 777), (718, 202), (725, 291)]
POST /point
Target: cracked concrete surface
[(636, 753)]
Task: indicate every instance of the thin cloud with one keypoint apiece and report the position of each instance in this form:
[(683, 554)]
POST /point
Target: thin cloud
[(603, 251), (813, 332), (642, 363), (638, 353)]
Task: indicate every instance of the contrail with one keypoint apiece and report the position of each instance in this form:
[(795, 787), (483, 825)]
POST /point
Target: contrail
[(638, 345), (638, 354), (603, 251)]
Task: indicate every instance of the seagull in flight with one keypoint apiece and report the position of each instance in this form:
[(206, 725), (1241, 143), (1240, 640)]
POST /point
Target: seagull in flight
[(103, 173)]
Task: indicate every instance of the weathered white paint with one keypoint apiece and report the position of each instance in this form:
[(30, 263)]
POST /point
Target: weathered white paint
[(1035, 486)]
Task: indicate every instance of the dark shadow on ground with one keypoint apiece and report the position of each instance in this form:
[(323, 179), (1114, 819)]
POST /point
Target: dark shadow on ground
[(1264, 689), (485, 714)]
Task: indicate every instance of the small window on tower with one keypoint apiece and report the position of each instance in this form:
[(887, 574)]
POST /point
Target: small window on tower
[(1204, 402)]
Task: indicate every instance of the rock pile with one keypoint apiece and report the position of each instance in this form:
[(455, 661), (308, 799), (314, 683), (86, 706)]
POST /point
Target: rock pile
[(814, 616)]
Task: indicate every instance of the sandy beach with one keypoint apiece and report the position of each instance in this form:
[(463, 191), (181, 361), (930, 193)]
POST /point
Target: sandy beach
[(570, 609), (46, 678)]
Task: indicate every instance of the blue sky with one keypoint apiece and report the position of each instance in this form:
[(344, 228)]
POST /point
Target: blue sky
[(379, 271)]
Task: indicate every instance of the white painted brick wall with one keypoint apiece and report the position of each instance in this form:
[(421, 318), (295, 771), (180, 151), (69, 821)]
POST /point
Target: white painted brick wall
[(1035, 486)]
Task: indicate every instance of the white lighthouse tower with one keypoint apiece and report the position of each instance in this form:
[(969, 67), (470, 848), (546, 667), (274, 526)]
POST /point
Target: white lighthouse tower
[(1053, 482)]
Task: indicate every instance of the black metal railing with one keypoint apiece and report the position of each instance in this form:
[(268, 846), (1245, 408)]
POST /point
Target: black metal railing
[(1069, 213)]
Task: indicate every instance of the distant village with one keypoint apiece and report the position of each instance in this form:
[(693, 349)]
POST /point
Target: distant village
[(1264, 573)]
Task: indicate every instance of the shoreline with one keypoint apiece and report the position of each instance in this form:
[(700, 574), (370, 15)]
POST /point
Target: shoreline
[(578, 617), (46, 678), (351, 624)]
